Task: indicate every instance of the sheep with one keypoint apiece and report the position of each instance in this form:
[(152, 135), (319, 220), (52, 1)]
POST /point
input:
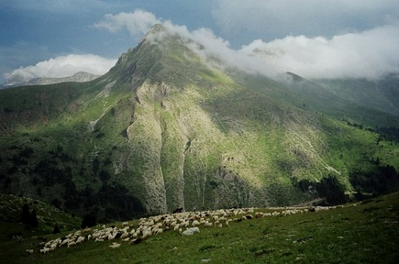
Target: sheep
[(80, 240), (157, 231), (146, 233), (155, 225), (208, 224), (53, 246), (65, 242), (48, 243), (124, 235), (190, 231), (44, 250), (70, 244), (114, 245), (30, 251), (195, 223), (87, 230)]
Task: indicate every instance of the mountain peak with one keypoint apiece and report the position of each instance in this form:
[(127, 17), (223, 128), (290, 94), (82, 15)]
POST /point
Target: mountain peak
[(162, 57), (157, 28)]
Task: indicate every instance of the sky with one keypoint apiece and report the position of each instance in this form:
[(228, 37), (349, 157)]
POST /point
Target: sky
[(313, 38)]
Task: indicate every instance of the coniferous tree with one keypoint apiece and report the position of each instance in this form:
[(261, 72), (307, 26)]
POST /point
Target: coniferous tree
[(56, 229), (25, 216), (33, 219), (89, 220)]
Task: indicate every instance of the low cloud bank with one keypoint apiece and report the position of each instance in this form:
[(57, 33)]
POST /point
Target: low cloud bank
[(64, 66), (369, 54)]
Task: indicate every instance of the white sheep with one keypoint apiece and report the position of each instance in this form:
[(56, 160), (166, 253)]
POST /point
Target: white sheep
[(190, 231), (125, 235), (44, 250), (208, 224), (80, 239), (114, 245), (195, 223), (157, 231), (70, 244), (146, 233)]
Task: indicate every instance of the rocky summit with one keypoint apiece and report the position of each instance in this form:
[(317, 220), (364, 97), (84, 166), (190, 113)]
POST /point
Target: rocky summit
[(169, 127)]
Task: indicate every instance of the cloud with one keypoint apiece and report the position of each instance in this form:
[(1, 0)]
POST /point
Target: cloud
[(137, 23), (63, 66), (20, 53), (365, 54), (369, 54)]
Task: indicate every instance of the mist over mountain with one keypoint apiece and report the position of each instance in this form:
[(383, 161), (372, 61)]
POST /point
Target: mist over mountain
[(178, 124), (19, 80)]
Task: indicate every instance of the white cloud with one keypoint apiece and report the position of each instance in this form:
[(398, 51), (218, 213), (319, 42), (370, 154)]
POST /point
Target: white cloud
[(369, 54), (137, 23), (64, 66)]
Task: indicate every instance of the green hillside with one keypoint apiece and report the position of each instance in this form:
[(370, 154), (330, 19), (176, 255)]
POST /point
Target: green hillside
[(354, 233), (360, 101), (13, 224), (166, 129)]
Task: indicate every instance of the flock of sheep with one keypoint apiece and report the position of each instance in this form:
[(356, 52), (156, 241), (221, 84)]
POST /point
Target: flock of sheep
[(187, 223)]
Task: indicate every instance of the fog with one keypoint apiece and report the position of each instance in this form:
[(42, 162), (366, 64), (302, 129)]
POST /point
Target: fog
[(64, 66), (370, 53)]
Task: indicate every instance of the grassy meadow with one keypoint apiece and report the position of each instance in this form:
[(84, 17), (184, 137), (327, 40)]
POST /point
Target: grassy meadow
[(366, 232)]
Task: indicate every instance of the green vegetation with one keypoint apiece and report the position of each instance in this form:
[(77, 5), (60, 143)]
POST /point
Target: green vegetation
[(27, 217), (166, 129), (356, 233)]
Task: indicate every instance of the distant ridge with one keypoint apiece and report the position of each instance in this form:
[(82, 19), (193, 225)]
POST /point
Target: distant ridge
[(18, 80)]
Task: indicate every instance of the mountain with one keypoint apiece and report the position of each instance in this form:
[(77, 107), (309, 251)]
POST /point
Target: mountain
[(355, 100), (18, 80), (381, 95), (166, 128)]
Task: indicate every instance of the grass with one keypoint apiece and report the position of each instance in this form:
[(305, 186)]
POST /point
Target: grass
[(48, 216), (157, 104), (366, 232)]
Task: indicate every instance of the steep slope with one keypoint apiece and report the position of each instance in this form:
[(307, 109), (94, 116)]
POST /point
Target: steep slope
[(389, 87), (166, 128), (379, 95), (356, 100)]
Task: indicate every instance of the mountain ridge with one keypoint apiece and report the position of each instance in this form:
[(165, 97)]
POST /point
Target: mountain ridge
[(166, 129), (15, 81)]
